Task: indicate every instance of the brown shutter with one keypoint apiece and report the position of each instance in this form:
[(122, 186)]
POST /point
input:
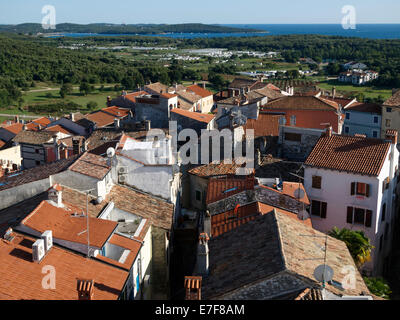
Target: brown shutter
[(368, 219), (367, 191), (323, 210), (349, 215), (353, 188)]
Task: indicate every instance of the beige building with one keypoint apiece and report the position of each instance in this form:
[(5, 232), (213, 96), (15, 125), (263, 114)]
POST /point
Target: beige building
[(391, 113), (10, 158)]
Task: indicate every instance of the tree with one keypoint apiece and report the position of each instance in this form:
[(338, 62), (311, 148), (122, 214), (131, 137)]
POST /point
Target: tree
[(91, 105), (85, 88), (217, 81), (65, 90), (378, 287), (357, 243)]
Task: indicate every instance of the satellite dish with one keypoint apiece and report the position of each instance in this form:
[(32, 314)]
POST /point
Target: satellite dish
[(323, 273), (299, 193), (110, 152)]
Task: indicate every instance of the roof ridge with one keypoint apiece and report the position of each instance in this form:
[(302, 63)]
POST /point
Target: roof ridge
[(280, 241)]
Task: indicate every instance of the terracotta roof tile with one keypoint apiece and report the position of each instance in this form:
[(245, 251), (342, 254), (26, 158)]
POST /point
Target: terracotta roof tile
[(302, 103), (394, 100), (66, 227), (201, 117), (22, 278), (59, 128), (33, 137), (365, 107), (117, 111), (351, 154), (265, 125), (216, 168), (218, 187), (15, 128), (101, 118), (200, 91), (91, 165)]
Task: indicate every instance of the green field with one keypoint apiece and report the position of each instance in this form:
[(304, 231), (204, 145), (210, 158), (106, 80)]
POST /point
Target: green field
[(351, 90)]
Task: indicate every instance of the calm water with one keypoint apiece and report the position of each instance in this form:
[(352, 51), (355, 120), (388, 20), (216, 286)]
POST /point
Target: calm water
[(373, 31)]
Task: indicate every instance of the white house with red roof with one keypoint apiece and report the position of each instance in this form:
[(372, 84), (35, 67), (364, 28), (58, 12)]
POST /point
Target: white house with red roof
[(351, 182)]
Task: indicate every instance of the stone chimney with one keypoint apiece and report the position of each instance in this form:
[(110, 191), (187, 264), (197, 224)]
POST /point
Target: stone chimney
[(392, 136), (334, 92), (24, 127), (85, 289), (108, 101), (55, 195), (193, 288), (72, 117), (202, 263), (204, 85), (116, 124)]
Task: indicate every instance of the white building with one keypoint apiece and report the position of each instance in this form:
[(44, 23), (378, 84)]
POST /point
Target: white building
[(351, 183)]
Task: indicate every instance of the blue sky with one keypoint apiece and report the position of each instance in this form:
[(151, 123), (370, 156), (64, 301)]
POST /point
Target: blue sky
[(202, 11)]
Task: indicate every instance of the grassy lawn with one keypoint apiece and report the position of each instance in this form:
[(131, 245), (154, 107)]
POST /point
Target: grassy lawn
[(351, 90)]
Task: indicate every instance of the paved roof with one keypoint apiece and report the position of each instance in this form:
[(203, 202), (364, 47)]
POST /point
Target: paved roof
[(184, 105), (47, 216), (268, 245), (33, 137), (365, 107), (36, 174), (302, 103), (351, 154), (22, 278), (156, 87), (265, 125), (269, 92), (394, 100), (189, 96), (91, 165), (200, 91), (201, 117)]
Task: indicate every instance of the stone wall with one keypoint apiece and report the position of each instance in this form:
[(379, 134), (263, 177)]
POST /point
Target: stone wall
[(160, 272)]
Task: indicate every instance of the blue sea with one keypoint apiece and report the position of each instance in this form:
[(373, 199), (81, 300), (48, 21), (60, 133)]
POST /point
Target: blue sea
[(372, 31)]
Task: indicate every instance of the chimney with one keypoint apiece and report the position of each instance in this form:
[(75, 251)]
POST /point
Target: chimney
[(38, 251), (116, 124), (392, 136), (202, 262), (47, 237), (108, 101), (204, 84), (85, 289), (193, 288), (55, 195), (147, 125), (328, 130), (334, 92), (72, 117), (24, 127)]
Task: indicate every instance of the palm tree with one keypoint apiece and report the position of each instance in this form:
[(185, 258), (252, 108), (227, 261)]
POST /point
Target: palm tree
[(357, 243)]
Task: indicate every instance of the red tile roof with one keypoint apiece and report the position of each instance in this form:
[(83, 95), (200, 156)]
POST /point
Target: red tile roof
[(66, 227), (59, 128), (15, 128), (22, 278), (394, 100), (101, 119), (117, 111), (201, 117), (351, 154), (217, 187), (132, 96), (365, 107), (302, 103), (200, 91), (265, 125), (91, 165), (290, 188)]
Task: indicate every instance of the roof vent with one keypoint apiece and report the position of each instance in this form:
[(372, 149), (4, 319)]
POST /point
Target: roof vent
[(85, 289), (38, 250), (47, 237)]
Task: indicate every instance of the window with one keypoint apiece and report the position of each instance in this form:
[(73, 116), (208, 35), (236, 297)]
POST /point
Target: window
[(384, 212), (347, 116), (360, 189), (346, 129), (37, 163), (375, 134), (198, 195), (293, 137), (388, 122), (388, 109), (37, 150), (319, 208), (292, 120), (376, 119), (359, 216), (316, 182)]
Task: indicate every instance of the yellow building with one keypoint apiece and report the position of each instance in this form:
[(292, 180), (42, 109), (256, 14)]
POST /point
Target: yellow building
[(391, 114)]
